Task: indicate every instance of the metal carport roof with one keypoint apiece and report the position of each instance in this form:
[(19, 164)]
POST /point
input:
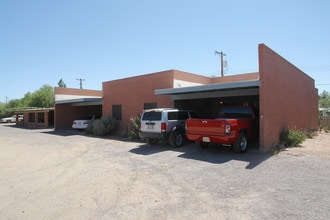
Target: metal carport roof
[(244, 88)]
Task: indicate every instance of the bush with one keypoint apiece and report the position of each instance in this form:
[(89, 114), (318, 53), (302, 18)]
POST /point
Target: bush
[(292, 137), (101, 127), (135, 126)]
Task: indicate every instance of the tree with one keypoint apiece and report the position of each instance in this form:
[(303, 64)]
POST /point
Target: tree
[(61, 84), (4, 111), (27, 99), (43, 98), (324, 100), (14, 103)]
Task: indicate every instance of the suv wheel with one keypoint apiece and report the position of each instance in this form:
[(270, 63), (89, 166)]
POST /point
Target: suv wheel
[(152, 141), (177, 139)]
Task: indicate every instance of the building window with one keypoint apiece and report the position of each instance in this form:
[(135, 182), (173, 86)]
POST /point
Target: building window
[(41, 117), (116, 112), (150, 105), (32, 117)]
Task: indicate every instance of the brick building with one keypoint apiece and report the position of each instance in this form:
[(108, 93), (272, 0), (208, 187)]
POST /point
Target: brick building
[(36, 118), (281, 94)]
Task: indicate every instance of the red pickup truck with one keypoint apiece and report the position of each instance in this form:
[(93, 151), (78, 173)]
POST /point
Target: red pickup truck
[(234, 127)]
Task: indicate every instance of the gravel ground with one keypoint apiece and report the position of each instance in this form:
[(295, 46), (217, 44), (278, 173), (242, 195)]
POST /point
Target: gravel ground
[(60, 175)]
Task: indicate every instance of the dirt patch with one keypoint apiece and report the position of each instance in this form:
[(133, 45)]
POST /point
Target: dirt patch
[(318, 146)]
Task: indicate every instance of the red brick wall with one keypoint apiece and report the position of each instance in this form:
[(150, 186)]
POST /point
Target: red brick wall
[(132, 93), (288, 98)]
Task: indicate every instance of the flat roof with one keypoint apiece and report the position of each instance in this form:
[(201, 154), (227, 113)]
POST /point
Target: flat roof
[(34, 110), (81, 101), (208, 87)]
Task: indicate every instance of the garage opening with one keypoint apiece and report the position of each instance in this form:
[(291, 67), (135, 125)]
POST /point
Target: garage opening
[(210, 107), (69, 110), (207, 100)]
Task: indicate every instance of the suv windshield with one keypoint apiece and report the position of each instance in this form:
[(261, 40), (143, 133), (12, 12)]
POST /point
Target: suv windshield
[(152, 116)]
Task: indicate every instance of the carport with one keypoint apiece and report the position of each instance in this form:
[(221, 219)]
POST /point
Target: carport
[(37, 118), (74, 108), (207, 100), (70, 104)]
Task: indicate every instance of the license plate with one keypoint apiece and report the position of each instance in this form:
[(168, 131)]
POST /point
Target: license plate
[(206, 139)]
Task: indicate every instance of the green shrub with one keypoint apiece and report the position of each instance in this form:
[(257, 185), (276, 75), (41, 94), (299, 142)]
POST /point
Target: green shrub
[(292, 137), (90, 128), (101, 127), (135, 126)]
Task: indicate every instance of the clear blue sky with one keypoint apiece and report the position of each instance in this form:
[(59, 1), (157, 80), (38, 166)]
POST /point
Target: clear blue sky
[(43, 41)]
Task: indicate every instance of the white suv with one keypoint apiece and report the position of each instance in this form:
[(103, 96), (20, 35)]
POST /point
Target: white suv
[(165, 124)]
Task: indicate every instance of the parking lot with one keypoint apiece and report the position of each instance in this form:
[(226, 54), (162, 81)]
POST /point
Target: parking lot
[(66, 175)]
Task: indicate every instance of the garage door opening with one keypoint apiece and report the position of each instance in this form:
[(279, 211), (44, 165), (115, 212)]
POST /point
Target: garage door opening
[(210, 107)]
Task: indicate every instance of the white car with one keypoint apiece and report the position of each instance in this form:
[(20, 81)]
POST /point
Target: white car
[(10, 119), (83, 121)]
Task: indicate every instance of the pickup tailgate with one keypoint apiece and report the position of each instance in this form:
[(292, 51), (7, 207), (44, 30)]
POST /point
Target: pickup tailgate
[(209, 130)]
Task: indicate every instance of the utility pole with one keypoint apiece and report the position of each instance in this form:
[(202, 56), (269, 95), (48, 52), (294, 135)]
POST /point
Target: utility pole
[(6, 98), (81, 82), (221, 54)]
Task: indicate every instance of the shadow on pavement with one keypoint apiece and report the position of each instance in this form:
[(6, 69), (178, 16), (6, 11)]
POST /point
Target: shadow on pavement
[(215, 154), (64, 133)]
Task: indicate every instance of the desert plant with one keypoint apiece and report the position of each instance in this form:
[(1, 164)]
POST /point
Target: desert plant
[(103, 126), (292, 137), (135, 126)]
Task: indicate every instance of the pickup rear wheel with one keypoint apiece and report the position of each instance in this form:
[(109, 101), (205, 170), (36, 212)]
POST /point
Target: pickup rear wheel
[(152, 141), (240, 145), (176, 139)]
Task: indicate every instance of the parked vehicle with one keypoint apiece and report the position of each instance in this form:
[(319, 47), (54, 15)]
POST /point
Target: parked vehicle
[(83, 121), (20, 117), (165, 124), (11, 119), (234, 127)]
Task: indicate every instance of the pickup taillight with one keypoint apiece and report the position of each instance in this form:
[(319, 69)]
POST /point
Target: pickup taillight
[(227, 129), (163, 126)]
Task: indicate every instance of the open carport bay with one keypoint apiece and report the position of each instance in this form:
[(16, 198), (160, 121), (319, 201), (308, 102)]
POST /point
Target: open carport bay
[(210, 107), (53, 175)]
